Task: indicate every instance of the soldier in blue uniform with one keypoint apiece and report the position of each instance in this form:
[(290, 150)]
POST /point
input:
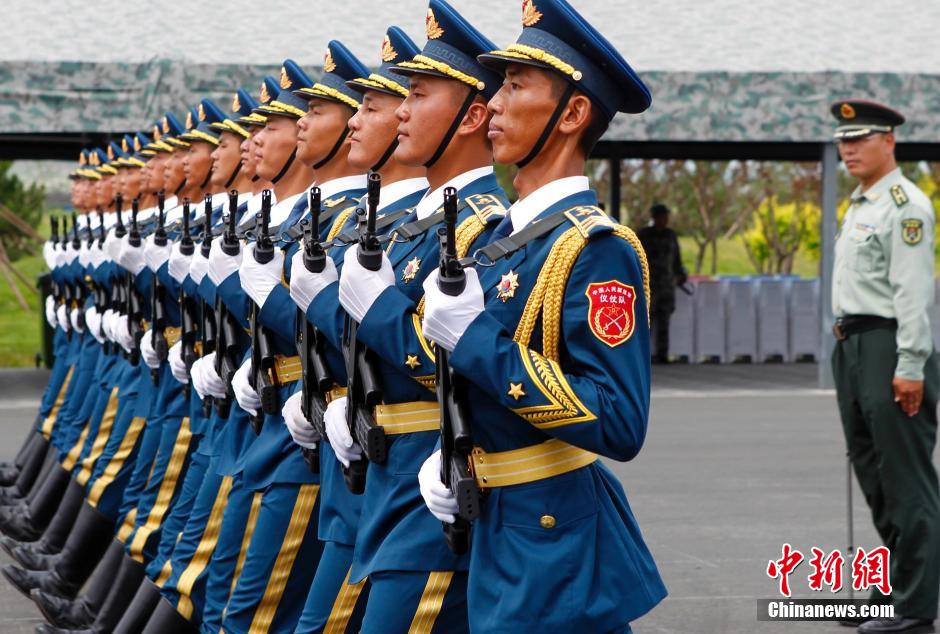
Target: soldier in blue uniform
[(553, 342)]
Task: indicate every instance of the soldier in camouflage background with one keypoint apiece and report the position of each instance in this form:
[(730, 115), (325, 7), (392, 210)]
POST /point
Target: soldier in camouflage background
[(666, 272)]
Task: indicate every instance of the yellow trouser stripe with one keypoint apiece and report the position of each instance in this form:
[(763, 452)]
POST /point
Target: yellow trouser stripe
[(343, 607), (204, 550), (246, 538), (104, 430), (76, 449), (408, 418), (528, 464), (165, 494), (49, 422), (117, 461), (432, 599), (165, 573), (296, 530), (127, 527)]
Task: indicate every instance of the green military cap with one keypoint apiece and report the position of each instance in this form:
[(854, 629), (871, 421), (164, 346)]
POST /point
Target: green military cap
[(859, 118)]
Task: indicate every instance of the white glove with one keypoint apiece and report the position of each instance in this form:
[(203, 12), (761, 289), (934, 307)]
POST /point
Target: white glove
[(246, 395), (98, 256), (337, 431), (71, 253), (179, 263), (258, 280), (221, 265), (359, 287), (156, 255), (122, 332), (107, 324), (61, 255), (50, 311), (84, 254), (62, 315), (177, 366), (437, 496), (300, 430), (304, 285), (49, 254), (112, 244), (74, 315), (198, 267), (209, 382), (446, 317), (131, 258), (147, 353), (93, 321)]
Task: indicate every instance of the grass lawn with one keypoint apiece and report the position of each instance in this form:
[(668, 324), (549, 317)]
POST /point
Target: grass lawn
[(733, 260), (20, 331)]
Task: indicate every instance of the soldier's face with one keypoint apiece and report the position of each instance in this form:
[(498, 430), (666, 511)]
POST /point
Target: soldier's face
[(425, 116), (372, 129), (157, 167), (196, 162), (173, 174), (103, 191), (521, 109), (225, 158), (868, 156), (274, 145), (247, 149), (130, 183), (319, 129)]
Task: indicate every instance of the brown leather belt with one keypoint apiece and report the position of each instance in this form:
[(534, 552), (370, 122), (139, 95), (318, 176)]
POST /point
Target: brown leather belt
[(845, 327)]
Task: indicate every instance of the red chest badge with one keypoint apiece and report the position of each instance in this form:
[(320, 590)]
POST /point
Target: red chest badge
[(611, 311)]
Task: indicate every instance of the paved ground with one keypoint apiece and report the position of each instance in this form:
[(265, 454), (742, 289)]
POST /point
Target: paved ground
[(738, 460)]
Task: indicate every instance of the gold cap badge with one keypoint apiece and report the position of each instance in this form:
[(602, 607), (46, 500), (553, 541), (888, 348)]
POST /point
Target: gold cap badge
[(388, 51), (110, 153), (328, 64), (124, 145), (285, 80), (156, 133), (264, 96), (189, 119), (137, 144), (202, 113), (847, 111), (530, 15), (236, 105), (431, 26), (82, 159)]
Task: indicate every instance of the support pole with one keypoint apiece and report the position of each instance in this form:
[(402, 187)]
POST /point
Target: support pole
[(830, 185)]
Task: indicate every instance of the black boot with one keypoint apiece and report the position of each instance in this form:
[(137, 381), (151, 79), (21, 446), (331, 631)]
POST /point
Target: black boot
[(138, 613), (82, 611), (13, 494), (33, 461), (45, 628), (129, 576), (27, 522), (35, 555), (166, 618), (10, 471)]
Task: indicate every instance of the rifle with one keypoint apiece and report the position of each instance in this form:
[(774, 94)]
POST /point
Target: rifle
[(54, 239), (208, 323), (456, 439), (134, 309), (226, 347), (262, 348), (157, 293), (189, 323), (81, 287), (316, 379), (118, 291), (363, 392)]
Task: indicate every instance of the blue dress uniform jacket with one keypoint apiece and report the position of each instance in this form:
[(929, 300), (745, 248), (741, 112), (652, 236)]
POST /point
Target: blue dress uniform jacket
[(562, 553), (396, 532)]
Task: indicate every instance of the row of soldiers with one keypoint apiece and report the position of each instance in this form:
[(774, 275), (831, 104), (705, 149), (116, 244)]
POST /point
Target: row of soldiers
[(312, 373)]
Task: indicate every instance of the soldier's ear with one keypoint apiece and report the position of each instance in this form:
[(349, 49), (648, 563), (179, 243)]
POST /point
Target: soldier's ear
[(578, 114)]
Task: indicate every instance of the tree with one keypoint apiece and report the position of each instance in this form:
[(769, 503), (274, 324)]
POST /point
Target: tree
[(27, 204)]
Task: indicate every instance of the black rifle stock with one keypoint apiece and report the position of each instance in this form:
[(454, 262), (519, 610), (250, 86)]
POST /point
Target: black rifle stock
[(157, 294), (456, 439), (363, 392), (226, 347), (262, 348), (134, 308), (189, 320)]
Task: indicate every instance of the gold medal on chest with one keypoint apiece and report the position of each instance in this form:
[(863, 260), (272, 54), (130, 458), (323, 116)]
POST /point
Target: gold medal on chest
[(411, 269), (507, 285)]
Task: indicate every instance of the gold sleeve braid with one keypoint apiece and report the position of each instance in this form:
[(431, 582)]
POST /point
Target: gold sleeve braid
[(547, 301)]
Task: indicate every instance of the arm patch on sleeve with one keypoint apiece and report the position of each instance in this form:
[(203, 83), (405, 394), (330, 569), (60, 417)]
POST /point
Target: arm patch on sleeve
[(912, 231)]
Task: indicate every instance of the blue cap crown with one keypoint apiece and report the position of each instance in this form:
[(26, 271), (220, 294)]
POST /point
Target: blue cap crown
[(556, 37), (339, 66), (287, 104), (243, 104), (397, 47), (451, 51)]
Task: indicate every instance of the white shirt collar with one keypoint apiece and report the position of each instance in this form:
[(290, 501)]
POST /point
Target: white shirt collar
[(281, 210), (433, 200), (330, 188), (254, 205), (393, 192), (526, 209)]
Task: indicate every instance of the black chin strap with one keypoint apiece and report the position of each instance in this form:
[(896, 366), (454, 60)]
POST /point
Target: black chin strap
[(336, 147), (388, 154), (231, 179), (290, 161), (255, 178), (205, 183), (547, 130), (453, 128), (180, 188)]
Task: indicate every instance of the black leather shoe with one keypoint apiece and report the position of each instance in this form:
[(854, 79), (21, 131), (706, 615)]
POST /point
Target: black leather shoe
[(45, 628), (30, 559), (17, 522), (10, 495), (896, 625), (854, 621), (28, 580), (8, 474), (8, 543), (63, 612)]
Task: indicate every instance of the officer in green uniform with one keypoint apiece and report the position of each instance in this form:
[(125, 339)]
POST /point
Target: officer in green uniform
[(884, 364)]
